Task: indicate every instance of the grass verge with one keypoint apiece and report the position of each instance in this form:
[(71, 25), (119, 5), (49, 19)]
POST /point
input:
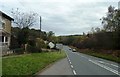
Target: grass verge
[(29, 64)]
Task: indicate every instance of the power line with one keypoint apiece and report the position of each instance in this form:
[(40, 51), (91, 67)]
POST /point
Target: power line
[(24, 6)]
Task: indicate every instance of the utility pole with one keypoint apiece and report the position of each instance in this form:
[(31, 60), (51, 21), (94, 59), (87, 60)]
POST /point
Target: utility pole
[(119, 5), (40, 26), (40, 23)]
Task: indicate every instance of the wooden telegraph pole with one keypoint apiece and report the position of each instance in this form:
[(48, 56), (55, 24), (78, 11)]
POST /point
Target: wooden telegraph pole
[(40, 26)]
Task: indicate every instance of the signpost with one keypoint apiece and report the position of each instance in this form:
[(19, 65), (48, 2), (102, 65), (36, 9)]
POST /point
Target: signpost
[(51, 45)]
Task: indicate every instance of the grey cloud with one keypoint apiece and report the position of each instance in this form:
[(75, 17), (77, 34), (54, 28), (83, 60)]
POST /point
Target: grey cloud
[(65, 16)]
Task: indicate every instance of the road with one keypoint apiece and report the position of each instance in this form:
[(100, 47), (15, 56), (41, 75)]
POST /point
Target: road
[(82, 64)]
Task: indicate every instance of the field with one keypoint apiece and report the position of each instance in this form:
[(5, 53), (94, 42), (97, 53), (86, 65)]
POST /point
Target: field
[(29, 64)]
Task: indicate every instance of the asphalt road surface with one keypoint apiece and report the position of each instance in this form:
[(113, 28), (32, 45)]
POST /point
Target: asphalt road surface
[(60, 67), (82, 64)]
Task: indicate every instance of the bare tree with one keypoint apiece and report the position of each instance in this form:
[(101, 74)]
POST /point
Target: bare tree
[(23, 20)]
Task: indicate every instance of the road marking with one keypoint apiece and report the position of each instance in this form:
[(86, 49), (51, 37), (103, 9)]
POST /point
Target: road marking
[(71, 66), (69, 60), (105, 67), (108, 64), (74, 72), (101, 61), (115, 65)]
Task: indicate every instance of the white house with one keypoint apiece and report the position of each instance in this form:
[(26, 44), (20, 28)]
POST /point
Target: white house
[(5, 32)]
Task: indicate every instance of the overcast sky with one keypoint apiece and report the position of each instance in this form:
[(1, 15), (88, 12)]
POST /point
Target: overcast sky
[(63, 17)]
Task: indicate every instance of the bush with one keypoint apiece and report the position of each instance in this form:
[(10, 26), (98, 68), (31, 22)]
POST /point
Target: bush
[(14, 43), (40, 43), (31, 42), (18, 50), (33, 49)]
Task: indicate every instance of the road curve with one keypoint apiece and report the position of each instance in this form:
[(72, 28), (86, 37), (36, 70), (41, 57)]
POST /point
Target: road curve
[(83, 64)]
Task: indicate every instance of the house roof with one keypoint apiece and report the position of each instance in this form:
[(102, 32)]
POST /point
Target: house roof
[(6, 16)]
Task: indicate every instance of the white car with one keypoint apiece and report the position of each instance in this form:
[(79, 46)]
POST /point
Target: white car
[(70, 48), (74, 50)]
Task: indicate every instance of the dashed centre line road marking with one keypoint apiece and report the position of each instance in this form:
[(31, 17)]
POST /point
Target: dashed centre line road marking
[(69, 59), (71, 66), (74, 72)]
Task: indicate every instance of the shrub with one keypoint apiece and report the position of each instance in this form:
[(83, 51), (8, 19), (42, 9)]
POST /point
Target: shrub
[(31, 42), (40, 43), (14, 43), (33, 49), (18, 50)]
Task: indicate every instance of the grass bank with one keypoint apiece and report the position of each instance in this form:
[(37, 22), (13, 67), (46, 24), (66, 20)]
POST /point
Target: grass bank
[(29, 64)]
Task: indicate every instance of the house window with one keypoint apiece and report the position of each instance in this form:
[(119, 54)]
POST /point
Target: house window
[(0, 19), (3, 25), (0, 25), (2, 38), (6, 39)]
